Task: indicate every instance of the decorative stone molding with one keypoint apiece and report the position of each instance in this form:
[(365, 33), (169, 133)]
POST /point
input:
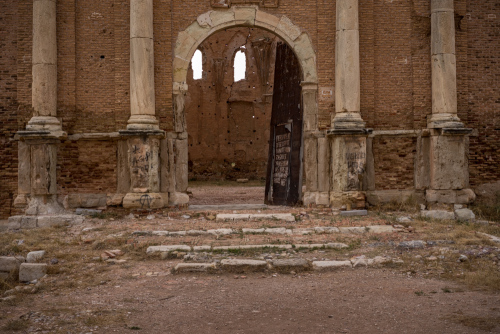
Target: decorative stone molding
[(229, 3)]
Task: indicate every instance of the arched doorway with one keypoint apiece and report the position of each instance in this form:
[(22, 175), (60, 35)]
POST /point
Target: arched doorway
[(207, 24)]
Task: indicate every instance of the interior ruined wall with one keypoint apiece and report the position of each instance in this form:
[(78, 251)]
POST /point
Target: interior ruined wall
[(228, 121), (395, 78)]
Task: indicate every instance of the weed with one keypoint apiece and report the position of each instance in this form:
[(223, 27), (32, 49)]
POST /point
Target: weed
[(446, 290), (420, 293)]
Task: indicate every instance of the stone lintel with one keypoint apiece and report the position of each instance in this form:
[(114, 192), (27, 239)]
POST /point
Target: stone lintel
[(141, 133), (349, 132)]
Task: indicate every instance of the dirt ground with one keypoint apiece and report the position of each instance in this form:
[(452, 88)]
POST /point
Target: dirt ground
[(430, 291)]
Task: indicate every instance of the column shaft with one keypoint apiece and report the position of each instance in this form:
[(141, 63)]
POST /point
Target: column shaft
[(44, 70), (142, 89), (347, 71), (444, 68)]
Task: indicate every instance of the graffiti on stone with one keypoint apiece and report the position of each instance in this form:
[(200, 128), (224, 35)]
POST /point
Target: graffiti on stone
[(145, 201), (282, 159), (355, 158)]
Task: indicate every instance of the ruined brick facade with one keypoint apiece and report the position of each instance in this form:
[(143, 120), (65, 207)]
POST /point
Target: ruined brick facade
[(93, 85)]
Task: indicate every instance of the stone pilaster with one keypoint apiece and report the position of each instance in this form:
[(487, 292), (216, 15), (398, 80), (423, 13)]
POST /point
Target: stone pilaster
[(142, 89), (444, 67), (347, 70)]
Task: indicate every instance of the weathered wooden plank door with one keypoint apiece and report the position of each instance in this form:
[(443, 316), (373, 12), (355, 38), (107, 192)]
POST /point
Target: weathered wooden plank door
[(284, 168)]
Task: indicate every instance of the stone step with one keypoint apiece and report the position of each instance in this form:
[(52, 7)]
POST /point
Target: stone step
[(284, 266), (223, 207), (255, 216), (208, 248), (275, 230)]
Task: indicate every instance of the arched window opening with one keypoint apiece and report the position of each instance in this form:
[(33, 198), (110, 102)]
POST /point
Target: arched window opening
[(197, 65), (240, 66)]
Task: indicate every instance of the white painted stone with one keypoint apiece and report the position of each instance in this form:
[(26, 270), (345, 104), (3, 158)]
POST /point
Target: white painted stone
[(330, 265), (194, 267), (35, 256), (170, 248), (32, 271)]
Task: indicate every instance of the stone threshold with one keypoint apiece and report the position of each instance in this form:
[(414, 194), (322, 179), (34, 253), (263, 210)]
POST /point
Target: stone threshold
[(278, 230)]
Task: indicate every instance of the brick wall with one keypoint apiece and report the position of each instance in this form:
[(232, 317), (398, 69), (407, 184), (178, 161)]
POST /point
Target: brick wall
[(94, 80)]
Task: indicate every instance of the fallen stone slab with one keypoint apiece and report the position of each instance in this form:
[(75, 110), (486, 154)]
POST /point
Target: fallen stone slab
[(304, 231), (170, 248), (32, 271), (22, 222), (352, 213), (222, 231), (353, 230), (228, 207), (161, 233), (177, 233), (413, 244), (336, 245), (243, 266), (59, 220), (278, 230), (288, 265), (438, 214), (9, 263), (253, 230), (330, 265), (381, 229), (35, 256), (489, 236), (196, 232), (194, 267), (327, 230), (245, 216)]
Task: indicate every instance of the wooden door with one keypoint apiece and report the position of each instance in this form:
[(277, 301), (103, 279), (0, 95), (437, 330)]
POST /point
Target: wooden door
[(284, 168)]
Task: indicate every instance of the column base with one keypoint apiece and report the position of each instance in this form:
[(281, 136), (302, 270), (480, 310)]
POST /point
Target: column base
[(178, 198), (142, 122), (44, 205), (346, 199), (316, 198), (348, 120), (439, 121)]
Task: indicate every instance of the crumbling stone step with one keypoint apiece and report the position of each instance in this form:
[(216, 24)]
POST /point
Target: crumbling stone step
[(283, 266), (274, 230), (223, 207), (255, 216), (205, 248), (28, 222)]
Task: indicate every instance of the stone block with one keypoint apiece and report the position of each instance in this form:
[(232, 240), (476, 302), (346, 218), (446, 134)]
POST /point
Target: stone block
[(141, 19), (143, 201), (443, 33), (194, 267), (204, 20), (244, 16), (177, 198), (438, 214), (347, 72), (347, 15), (265, 20), (444, 84), (287, 30), (35, 256), (219, 18), (354, 213), (170, 248), (10, 263), (311, 169), (44, 32), (32, 271), (243, 266), (142, 85), (465, 215), (303, 47), (354, 198), (87, 212), (465, 196), (309, 69), (28, 222), (114, 199), (59, 220), (288, 265), (197, 31), (44, 91), (448, 163), (14, 223), (330, 265), (379, 197)]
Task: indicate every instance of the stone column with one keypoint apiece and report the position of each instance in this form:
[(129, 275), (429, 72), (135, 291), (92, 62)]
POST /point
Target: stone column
[(447, 160), (347, 72), (142, 85), (140, 168), (37, 178), (444, 68)]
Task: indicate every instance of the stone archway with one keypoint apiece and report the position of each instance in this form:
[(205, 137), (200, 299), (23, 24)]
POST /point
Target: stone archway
[(188, 42)]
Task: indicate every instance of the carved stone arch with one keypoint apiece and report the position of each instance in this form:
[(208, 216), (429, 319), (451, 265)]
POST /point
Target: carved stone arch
[(299, 41)]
